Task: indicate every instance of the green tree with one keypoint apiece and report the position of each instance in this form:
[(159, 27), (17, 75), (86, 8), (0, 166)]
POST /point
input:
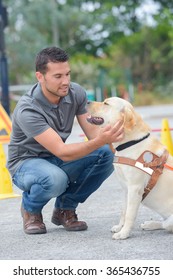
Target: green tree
[(164, 4), (104, 38), (37, 24)]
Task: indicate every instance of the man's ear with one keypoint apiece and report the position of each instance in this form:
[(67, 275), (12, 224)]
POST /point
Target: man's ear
[(39, 76)]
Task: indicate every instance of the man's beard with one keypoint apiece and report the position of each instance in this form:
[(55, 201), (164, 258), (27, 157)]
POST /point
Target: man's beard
[(55, 93)]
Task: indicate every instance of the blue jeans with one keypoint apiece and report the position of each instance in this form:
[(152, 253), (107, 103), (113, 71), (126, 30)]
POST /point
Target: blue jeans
[(70, 182)]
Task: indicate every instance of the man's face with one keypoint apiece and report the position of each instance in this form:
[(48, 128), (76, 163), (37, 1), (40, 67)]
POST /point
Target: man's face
[(55, 83)]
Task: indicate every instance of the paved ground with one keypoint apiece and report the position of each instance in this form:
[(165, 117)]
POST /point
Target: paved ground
[(101, 211)]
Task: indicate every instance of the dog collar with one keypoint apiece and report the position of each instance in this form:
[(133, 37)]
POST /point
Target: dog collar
[(131, 143)]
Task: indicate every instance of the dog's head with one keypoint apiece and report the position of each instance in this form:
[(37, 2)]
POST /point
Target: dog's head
[(113, 109)]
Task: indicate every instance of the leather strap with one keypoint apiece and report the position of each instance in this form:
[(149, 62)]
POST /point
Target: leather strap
[(157, 165), (149, 163)]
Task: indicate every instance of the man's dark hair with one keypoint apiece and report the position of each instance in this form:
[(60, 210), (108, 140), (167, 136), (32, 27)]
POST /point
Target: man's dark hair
[(51, 54)]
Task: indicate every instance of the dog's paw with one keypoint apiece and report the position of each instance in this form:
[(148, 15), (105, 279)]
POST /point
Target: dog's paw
[(120, 235), (116, 228), (151, 225), (146, 225)]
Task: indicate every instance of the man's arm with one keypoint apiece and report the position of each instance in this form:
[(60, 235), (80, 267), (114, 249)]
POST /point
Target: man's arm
[(67, 152)]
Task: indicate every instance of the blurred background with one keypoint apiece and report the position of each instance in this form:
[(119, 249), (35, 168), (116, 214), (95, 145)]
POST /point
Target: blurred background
[(117, 47)]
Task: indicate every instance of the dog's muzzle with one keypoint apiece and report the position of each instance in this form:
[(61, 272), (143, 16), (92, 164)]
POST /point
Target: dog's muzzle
[(95, 120)]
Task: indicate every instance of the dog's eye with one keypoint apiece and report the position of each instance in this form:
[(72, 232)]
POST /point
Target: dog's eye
[(105, 103)]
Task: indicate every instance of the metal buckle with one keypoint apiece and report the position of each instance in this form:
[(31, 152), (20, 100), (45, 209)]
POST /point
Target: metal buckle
[(115, 159)]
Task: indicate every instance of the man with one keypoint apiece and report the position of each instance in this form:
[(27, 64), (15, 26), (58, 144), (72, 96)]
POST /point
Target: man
[(42, 165)]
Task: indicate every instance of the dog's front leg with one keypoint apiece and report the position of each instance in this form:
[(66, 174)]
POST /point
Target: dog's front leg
[(133, 202), (119, 226)]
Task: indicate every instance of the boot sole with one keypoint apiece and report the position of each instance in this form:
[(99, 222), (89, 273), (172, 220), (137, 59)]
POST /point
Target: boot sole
[(54, 221), (35, 231)]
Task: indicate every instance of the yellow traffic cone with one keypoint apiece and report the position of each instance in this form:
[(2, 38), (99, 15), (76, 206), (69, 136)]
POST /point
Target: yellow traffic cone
[(166, 136), (6, 190)]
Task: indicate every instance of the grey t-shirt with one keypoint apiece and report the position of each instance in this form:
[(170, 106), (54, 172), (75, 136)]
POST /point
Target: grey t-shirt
[(34, 114)]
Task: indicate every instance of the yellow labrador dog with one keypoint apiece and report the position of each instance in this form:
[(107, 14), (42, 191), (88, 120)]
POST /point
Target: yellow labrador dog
[(142, 164)]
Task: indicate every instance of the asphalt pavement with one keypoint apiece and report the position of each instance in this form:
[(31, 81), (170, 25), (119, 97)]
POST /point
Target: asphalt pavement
[(101, 211)]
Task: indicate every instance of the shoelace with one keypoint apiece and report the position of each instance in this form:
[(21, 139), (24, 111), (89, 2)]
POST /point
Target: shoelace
[(36, 218), (70, 215)]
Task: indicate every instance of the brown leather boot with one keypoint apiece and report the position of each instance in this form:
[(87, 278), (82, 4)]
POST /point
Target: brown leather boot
[(33, 223), (68, 219)]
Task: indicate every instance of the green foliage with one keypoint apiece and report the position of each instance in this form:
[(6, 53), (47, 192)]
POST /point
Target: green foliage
[(108, 43)]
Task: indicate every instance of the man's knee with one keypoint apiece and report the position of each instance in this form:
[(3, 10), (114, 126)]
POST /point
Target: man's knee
[(57, 183)]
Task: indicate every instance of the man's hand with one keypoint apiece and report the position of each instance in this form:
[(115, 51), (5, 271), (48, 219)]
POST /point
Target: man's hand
[(111, 134)]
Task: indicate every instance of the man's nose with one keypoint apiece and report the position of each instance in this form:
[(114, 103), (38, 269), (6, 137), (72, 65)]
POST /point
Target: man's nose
[(66, 80)]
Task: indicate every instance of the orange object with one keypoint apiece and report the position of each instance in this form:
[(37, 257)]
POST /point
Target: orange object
[(168, 166)]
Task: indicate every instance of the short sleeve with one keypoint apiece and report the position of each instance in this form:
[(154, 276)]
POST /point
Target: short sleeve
[(31, 122)]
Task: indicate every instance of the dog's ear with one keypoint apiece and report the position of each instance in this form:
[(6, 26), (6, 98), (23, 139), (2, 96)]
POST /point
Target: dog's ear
[(129, 118)]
